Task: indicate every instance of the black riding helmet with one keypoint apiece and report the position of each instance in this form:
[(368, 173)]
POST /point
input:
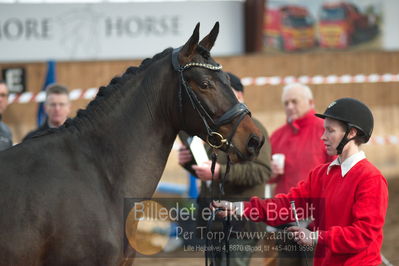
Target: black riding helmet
[(352, 113)]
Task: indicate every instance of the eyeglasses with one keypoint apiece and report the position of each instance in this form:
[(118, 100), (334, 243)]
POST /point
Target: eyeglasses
[(3, 95)]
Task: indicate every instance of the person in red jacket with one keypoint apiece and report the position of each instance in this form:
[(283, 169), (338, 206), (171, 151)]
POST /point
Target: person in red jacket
[(298, 140), (347, 198)]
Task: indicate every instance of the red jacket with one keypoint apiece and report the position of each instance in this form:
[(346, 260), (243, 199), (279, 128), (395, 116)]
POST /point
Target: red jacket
[(303, 149), (349, 212)]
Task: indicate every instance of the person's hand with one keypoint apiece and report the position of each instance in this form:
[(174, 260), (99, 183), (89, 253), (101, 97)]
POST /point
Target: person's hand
[(223, 208), (303, 236), (276, 169), (204, 173), (184, 155)]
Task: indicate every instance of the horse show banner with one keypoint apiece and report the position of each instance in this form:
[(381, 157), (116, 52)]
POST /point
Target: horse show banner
[(108, 31)]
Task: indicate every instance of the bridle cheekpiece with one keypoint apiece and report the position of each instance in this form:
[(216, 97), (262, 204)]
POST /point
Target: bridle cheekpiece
[(214, 138)]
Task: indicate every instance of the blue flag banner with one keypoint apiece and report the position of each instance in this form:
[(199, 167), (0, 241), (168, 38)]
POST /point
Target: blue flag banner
[(192, 187), (50, 79)]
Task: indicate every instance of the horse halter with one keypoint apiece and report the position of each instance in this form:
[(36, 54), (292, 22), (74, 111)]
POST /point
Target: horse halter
[(214, 138)]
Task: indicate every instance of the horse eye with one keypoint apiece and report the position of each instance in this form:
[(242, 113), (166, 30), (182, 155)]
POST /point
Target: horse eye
[(204, 85)]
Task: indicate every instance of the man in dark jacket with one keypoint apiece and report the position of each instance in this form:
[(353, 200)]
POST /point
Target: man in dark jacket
[(57, 107), (5, 132), (244, 180)]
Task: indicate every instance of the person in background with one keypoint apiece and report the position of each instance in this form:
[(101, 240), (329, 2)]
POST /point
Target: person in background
[(244, 180), (57, 108), (298, 141), (5, 132), (348, 198)]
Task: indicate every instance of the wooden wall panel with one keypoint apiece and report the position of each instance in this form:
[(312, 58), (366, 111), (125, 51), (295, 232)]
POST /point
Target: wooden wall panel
[(264, 101)]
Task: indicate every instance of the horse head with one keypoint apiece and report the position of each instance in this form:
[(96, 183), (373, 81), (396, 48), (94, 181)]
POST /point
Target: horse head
[(208, 105)]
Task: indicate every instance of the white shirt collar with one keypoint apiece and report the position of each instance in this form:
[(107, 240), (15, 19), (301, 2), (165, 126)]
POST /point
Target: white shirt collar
[(348, 163)]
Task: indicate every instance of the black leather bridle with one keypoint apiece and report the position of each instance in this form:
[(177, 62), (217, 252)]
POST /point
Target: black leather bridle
[(214, 138)]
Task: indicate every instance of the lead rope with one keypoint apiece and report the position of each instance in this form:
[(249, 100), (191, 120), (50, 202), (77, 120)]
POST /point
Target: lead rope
[(226, 223), (209, 252)]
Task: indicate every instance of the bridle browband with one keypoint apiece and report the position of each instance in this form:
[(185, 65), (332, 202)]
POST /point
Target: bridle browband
[(214, 138)]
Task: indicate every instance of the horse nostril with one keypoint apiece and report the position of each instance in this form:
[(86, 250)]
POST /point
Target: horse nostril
[(253, 144)]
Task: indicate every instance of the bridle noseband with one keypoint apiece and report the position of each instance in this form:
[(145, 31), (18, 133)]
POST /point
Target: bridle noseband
[(214, 138)]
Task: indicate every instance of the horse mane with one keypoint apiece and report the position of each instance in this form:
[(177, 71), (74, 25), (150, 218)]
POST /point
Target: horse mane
[(83, 115)]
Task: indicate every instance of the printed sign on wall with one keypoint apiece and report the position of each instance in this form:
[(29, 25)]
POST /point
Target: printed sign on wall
[(15, 79), (38, 32)]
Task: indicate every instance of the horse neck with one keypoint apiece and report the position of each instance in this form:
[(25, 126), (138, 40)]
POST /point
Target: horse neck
[(136, 136)]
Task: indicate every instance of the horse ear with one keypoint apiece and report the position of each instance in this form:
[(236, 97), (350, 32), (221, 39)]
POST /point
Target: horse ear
[(209, 40), (189, 48)]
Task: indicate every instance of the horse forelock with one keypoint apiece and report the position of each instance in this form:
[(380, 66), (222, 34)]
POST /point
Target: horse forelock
[(205, 53)]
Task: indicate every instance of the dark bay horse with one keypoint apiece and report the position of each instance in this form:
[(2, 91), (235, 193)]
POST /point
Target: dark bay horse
[(61, 194)]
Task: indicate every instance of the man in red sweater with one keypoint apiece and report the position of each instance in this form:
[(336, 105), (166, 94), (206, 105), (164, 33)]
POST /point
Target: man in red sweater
[(347, 198), (298, 139)]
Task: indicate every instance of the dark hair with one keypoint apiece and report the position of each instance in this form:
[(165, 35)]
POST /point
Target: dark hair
[(56, 89), (235, 82)]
